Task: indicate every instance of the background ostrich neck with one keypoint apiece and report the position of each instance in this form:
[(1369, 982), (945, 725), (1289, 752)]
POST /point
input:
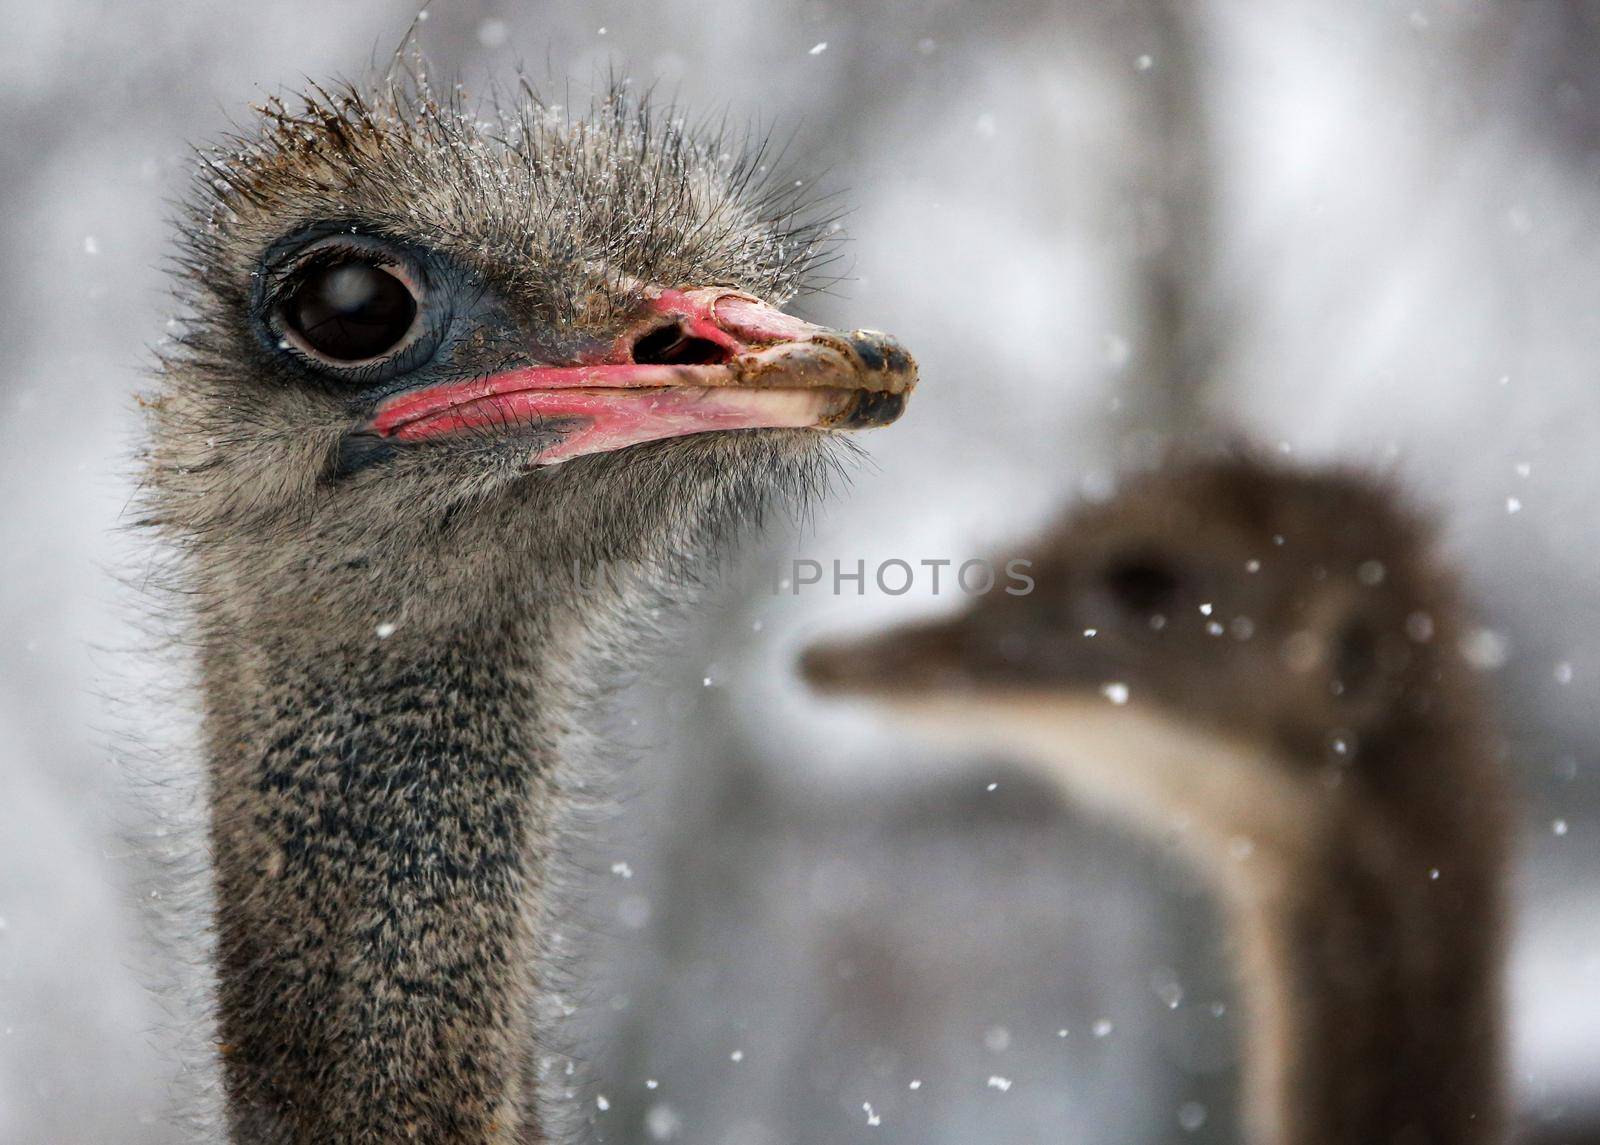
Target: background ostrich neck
[(380, 814), (1372, 988)]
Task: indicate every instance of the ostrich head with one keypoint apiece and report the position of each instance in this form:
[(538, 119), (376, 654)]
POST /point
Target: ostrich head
[(427, 351), (1300, 614)]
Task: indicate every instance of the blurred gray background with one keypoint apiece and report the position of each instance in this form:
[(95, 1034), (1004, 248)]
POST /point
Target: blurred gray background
[(1363, 231)]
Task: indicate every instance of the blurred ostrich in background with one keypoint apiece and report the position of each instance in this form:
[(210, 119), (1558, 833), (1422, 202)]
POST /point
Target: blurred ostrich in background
[(1264, 666)]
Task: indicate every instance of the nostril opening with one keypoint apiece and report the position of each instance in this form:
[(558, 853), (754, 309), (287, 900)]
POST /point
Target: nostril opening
[(671, 346)]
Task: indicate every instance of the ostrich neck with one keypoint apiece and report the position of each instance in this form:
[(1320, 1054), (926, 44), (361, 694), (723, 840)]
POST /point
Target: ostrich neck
[(1371, 989), (381, 810)]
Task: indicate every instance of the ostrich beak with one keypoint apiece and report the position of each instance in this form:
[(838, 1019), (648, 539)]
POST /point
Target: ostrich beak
[(705, 360), (993, 646), (917, 658)]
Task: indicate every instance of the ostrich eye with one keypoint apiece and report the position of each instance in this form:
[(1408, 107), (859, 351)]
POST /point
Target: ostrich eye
[(351, 311), (1356, 656), (1141, 584)]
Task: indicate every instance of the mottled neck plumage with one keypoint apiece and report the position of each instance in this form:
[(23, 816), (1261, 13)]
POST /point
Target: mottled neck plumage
[(379, 822)]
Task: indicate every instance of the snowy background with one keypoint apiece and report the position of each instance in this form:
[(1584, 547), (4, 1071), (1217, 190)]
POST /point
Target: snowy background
[(1360, 231)]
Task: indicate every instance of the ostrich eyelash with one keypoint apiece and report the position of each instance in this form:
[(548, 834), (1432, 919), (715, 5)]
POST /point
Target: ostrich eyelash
[(284, 280)]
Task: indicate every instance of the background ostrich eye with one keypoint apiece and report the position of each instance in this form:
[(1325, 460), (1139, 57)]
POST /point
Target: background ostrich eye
[(351, 311), (1141, 584), (1355, 656)]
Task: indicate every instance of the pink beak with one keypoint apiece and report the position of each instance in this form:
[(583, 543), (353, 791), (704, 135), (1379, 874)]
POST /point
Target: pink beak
[(708, 359)]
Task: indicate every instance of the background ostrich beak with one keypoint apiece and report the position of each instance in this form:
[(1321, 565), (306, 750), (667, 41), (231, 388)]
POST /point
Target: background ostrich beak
[(918, 658), (982, 649), (702, 360)]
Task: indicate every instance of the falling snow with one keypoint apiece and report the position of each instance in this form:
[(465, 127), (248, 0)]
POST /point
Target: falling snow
[(1168, 989), (1484, 649), (662, 1122)]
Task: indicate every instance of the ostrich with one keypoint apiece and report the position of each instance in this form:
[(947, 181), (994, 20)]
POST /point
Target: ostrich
[(1264, 664), (439, 368)]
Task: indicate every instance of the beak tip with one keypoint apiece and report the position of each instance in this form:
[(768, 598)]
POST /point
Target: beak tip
[(871, 409), (882, 353)]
